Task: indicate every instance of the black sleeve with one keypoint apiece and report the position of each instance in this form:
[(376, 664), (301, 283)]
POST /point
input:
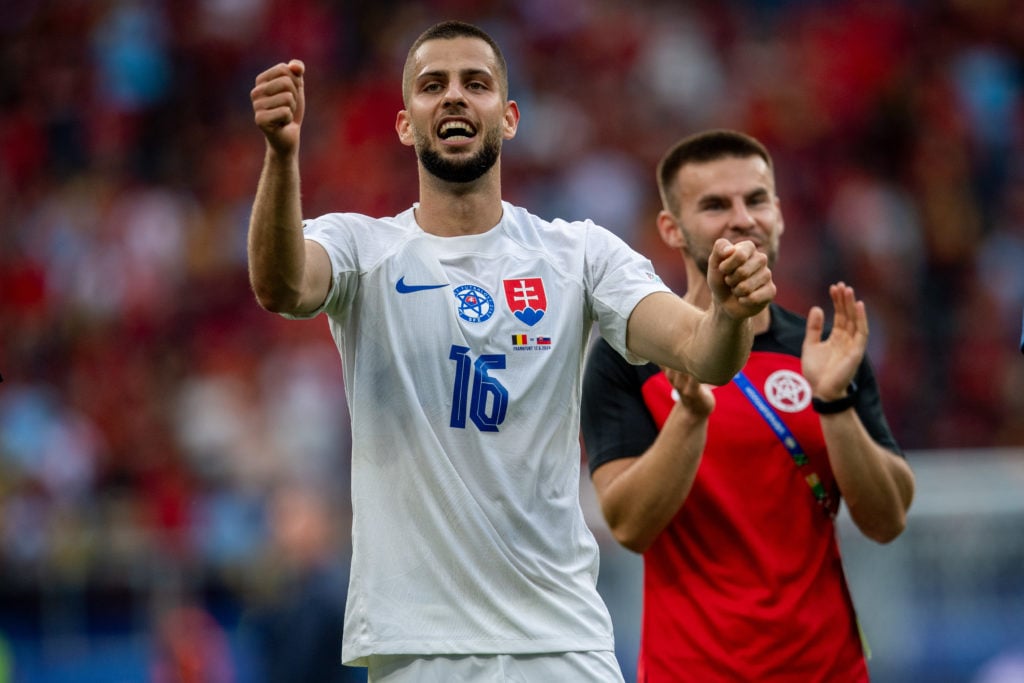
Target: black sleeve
[(614, 419), (869, 408)]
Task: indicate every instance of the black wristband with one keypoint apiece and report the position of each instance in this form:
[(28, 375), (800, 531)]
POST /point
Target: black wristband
[(836, 406)]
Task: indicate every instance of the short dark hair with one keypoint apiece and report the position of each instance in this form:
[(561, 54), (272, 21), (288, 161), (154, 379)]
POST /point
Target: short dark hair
[(449, 30), (709, 145)]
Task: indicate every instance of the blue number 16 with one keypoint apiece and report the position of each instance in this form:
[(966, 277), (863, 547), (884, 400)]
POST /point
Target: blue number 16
[(488, 399)]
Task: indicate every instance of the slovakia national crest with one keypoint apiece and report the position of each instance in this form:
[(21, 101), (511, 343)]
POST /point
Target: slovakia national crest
[(526, 298)]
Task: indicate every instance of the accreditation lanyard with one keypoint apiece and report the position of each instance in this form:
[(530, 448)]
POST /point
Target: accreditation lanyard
[(788, 440)]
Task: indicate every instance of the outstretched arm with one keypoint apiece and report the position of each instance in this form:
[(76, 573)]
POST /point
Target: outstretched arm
[(288, 274), (711, 345), (877, 484), (639, 496)]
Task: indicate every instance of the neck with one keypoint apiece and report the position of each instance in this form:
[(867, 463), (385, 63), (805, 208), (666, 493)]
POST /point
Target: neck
[(452, 209)]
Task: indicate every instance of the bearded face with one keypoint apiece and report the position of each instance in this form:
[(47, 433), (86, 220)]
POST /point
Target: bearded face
[(731, 197), (459, 169)]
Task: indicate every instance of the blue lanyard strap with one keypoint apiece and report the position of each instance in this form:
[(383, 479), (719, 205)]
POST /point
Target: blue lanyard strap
[(787, 438)]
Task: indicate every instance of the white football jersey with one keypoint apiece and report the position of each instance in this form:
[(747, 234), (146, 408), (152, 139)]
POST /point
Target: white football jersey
[(462, 360)]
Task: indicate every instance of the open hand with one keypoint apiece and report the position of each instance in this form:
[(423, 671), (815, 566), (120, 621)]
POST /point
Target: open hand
[(830, 365)]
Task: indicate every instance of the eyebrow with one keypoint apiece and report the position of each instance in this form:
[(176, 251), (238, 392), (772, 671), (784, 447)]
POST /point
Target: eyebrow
[(756, 193), (465, 74)]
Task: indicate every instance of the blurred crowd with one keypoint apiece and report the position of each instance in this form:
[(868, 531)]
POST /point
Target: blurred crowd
[(150, 411)]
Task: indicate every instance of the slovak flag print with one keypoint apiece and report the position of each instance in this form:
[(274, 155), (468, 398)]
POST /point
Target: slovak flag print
[(526, 298)]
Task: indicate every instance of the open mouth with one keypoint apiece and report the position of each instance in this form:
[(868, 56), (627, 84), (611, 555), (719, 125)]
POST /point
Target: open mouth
[(451, 130)]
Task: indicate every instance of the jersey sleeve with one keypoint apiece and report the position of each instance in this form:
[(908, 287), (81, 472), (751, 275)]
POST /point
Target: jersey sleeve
[(618, 278), (614, 419), (335, 235), (869, 408)]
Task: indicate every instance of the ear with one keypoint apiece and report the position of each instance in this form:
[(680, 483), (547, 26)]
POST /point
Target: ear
[(668, 228), (404, 129), (511, 120), (778, 209)]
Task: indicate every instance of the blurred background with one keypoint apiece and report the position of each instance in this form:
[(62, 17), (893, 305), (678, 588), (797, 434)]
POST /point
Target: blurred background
[(174, 461)]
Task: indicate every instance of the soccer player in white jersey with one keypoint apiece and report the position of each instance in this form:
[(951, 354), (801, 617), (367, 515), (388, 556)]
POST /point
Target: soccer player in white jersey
[(462, 324)]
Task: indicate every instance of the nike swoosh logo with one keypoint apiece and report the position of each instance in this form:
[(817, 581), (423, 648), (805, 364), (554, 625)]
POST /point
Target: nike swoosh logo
[(403, 288)]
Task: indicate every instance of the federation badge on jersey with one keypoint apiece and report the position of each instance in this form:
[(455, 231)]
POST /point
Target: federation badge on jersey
[(475, 304), (788, 391), (526, 298)]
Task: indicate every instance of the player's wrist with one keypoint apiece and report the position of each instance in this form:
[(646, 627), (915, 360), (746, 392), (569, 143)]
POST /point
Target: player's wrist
[(722, 315), (690, 415), (829, 403)]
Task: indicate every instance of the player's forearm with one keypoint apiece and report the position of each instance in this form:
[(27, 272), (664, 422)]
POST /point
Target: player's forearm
[(276, 246), (878, 486), (709, 345), (720, 347), (644, 498)]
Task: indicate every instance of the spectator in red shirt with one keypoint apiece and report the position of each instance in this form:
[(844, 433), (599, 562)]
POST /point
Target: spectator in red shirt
[(731, 493)]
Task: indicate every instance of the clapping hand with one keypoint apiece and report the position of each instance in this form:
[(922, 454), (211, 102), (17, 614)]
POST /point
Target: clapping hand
[(830, 364), (692, 394)]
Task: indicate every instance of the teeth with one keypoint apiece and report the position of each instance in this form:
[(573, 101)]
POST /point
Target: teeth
[(452, 128)]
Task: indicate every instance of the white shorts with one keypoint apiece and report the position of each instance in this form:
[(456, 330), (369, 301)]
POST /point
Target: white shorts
[(564, 667)]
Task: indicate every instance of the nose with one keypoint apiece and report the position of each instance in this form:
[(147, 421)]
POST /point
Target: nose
[(454, 93), (741, 218)]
